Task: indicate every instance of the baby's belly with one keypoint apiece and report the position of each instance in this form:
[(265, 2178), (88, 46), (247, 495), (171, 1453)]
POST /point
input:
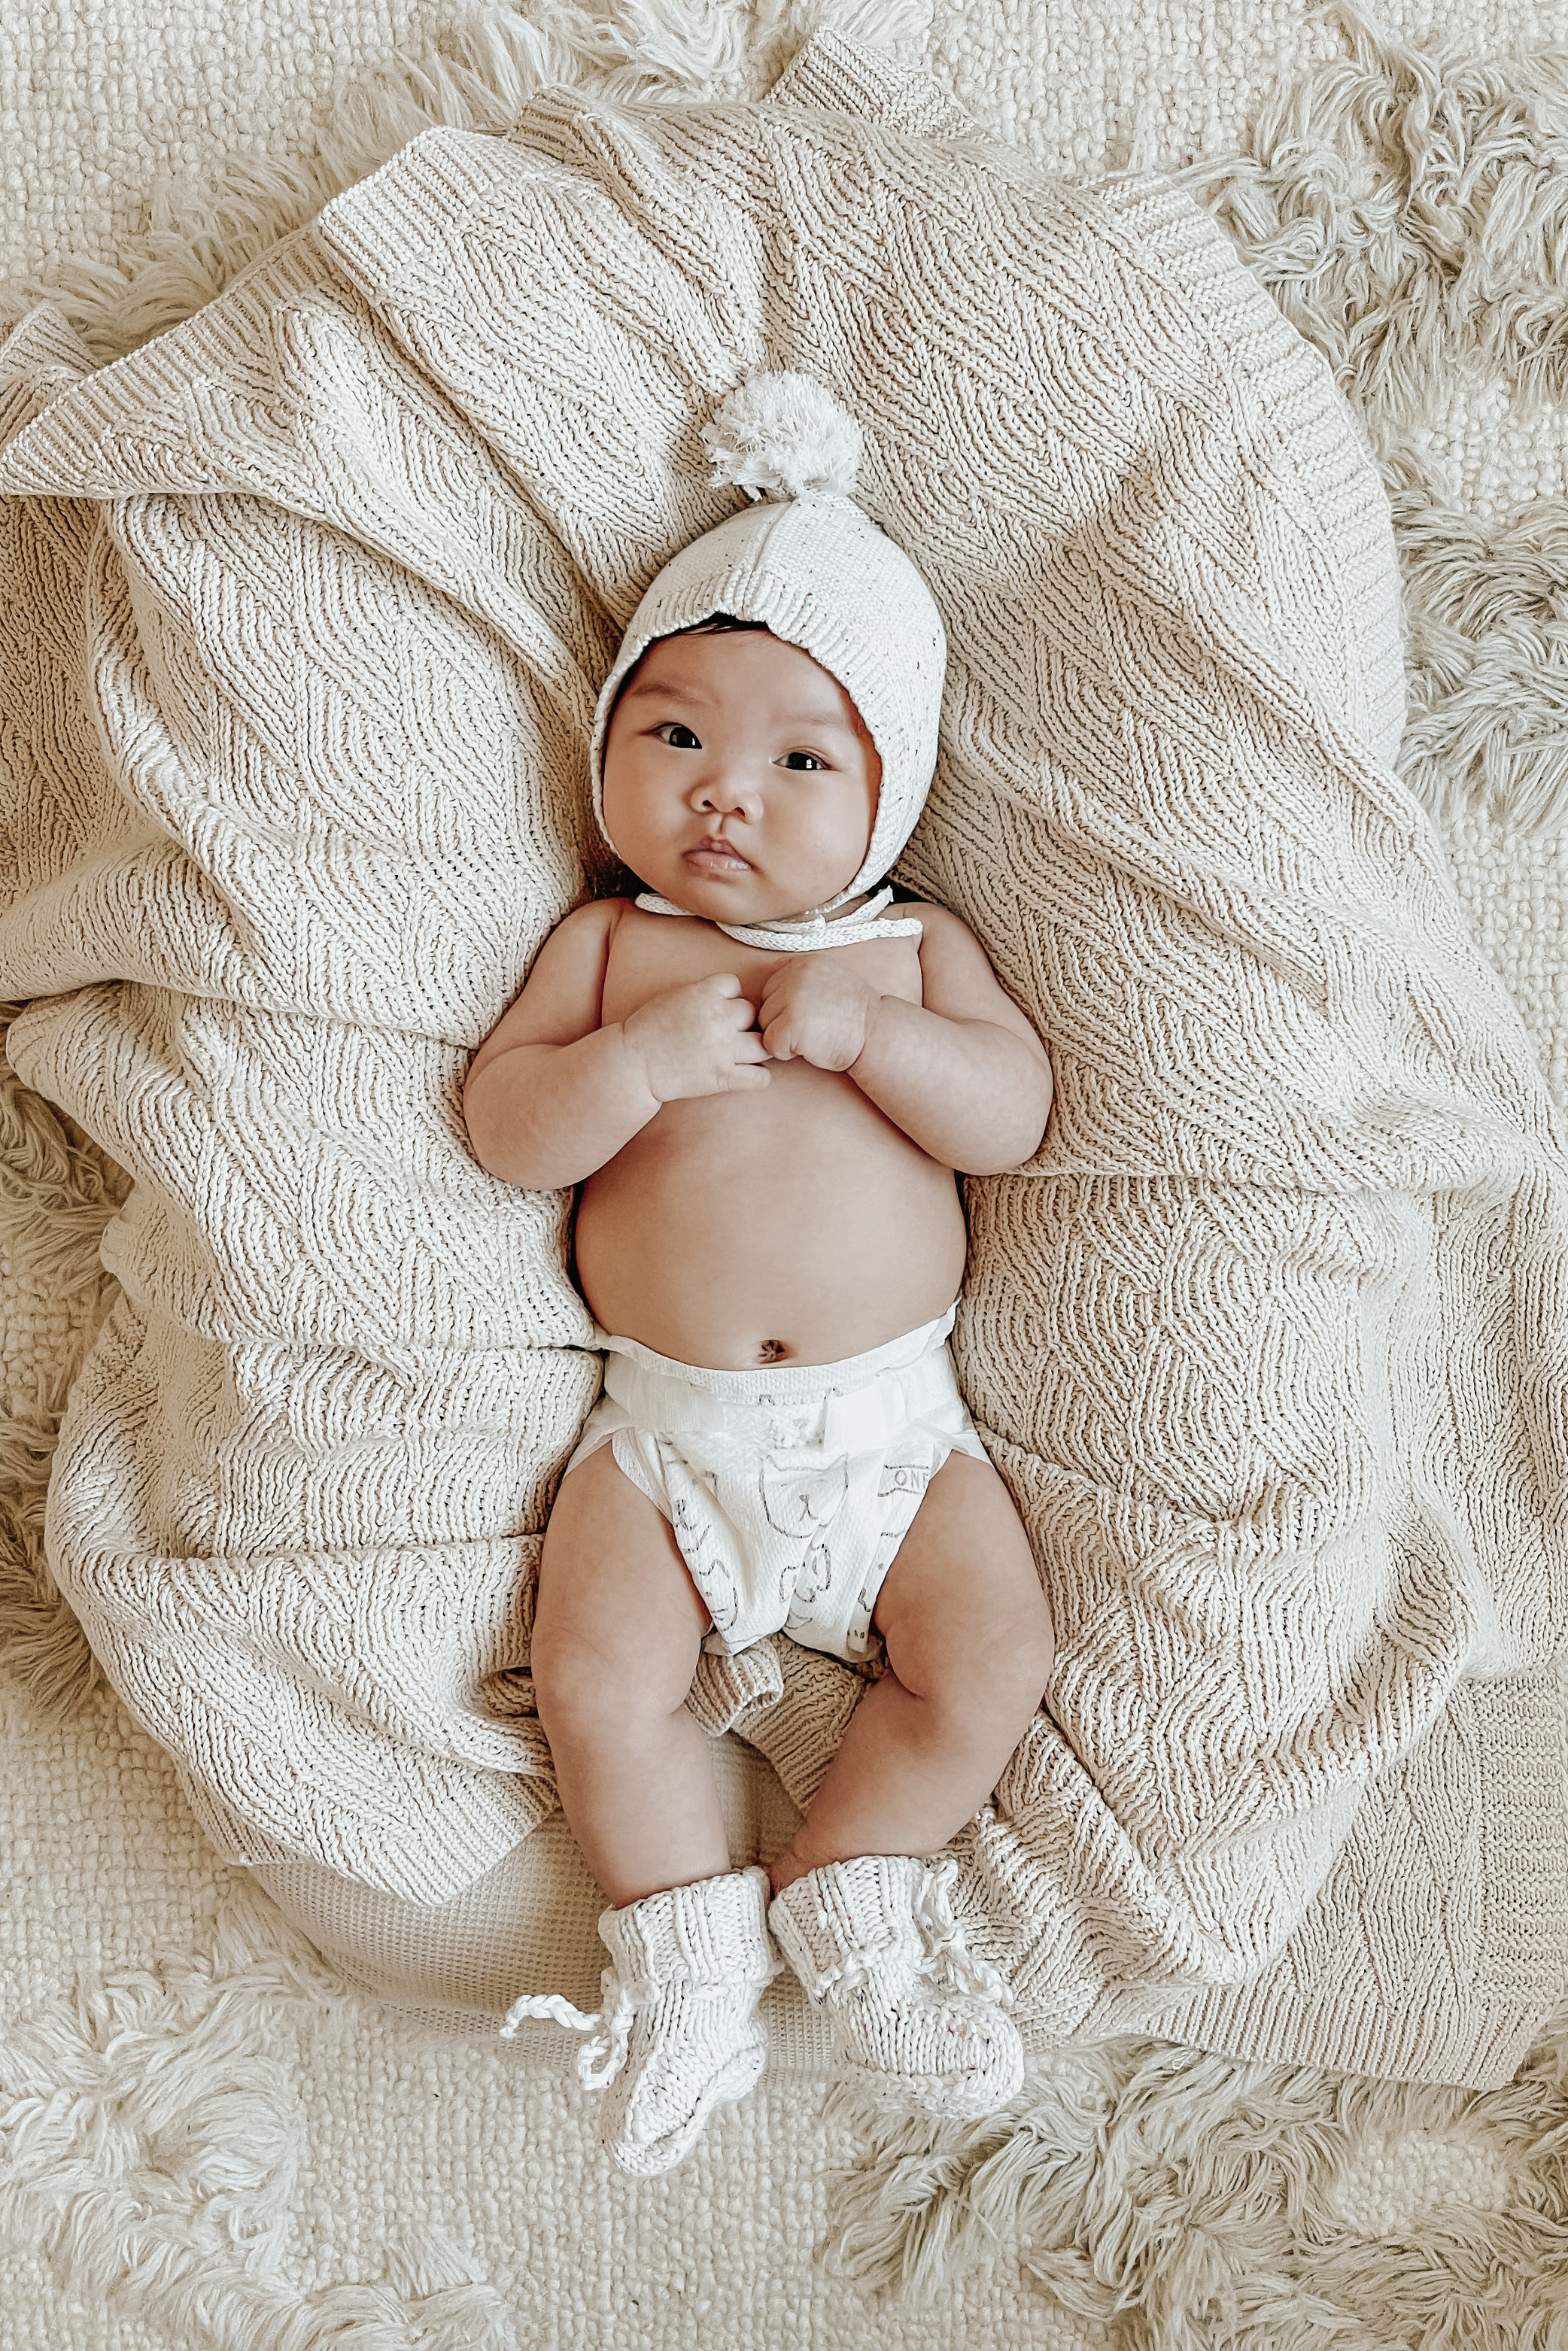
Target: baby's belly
[(793, 1225)]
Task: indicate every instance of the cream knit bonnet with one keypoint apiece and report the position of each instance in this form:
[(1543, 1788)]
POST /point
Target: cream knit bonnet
[(805, 559)]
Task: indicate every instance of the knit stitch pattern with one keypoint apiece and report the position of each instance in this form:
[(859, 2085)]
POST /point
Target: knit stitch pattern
[(916, 2023), (678, 2033), (306, 607)]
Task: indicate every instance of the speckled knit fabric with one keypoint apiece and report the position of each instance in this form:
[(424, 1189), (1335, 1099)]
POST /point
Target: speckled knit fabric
[(916, 2024), (1269, 1343)]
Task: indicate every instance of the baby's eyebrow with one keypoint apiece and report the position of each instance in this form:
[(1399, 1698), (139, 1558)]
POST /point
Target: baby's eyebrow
[(695, 695), (670, 693)]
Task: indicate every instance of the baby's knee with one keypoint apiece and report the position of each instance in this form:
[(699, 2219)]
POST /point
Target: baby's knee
[(591, 1682), (1016, 1670), (1003, 1672)]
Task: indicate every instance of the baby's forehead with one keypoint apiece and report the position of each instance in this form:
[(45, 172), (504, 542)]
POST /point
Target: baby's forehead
[(748, 670)]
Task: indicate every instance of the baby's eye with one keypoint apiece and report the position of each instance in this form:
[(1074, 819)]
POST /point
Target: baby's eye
[(670, 729), (790, 758)]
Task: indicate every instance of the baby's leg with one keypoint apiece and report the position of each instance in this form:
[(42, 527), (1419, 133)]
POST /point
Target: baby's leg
[(970, 1645), (617, 1630)]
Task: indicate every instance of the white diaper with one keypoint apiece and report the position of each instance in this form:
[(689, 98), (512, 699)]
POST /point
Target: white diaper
[(789, 1490)]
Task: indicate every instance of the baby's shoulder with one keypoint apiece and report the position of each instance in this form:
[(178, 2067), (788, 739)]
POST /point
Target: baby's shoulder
[(594, 914), (588, 928), (576, 953), (939, 926)]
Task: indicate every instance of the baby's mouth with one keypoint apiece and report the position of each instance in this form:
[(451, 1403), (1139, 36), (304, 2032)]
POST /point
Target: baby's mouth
[(712, 856)]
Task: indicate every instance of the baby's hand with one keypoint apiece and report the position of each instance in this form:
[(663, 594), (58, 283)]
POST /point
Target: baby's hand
[(698, 1039), (816, 1009)]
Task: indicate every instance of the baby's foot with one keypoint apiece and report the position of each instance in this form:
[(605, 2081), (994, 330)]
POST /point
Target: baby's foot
[(677, 2035), (916, 2020)]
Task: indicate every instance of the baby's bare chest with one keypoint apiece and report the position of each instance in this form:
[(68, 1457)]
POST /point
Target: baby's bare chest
[(651, 953), (794, 1219)]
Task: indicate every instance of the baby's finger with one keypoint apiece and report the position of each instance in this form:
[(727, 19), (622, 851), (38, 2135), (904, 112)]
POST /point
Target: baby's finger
[(743, 1013), (725, 983), (774, 1004), (779, 1041), (744, 1080), (750, 1047)]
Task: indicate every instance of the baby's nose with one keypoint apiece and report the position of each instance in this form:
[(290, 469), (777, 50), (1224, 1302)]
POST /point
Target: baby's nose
[(726, 788)]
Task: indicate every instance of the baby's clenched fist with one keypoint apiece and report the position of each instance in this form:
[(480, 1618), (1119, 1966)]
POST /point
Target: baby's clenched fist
[(816, 1009), (696, 1040)]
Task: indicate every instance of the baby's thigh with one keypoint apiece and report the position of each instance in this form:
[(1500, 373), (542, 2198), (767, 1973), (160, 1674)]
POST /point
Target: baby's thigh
[(616, 1607), (961, 1607)]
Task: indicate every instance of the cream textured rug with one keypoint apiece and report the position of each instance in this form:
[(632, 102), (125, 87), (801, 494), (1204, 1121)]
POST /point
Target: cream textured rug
[(200, 2134)]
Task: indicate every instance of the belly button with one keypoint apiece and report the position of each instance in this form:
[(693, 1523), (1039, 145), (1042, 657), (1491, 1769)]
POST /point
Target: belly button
[(772, 1351)]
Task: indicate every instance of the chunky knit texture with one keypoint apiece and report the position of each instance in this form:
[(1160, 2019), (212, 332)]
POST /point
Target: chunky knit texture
[(917, 2021), (1269, 1343)]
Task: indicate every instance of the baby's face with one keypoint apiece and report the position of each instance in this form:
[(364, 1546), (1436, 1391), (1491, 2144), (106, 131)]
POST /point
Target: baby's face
[(738, 778)]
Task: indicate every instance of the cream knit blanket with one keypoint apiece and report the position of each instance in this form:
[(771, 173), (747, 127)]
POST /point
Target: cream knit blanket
[(1271, 1342)]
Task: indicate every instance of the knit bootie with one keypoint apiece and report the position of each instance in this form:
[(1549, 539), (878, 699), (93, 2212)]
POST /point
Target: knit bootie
[(916, 2021), (677, 2035)]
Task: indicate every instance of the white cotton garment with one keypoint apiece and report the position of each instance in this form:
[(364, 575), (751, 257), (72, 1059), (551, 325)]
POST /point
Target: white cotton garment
[(789, 1489)]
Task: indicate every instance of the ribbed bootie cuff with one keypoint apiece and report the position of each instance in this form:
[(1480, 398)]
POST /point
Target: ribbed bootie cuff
[(712, 1932), (838, 1922), (708, 1936)]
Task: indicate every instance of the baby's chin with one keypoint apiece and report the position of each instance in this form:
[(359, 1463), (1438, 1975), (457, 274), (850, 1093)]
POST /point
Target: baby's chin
[(717, 900)]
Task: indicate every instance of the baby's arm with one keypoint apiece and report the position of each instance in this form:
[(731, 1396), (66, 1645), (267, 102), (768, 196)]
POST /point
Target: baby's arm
[(963, 1074), (551, 1096)]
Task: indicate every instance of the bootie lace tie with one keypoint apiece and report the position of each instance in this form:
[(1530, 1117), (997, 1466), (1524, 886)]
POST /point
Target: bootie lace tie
[(917, 2018), (600, 2059), (676, 2033), (946, 1950)]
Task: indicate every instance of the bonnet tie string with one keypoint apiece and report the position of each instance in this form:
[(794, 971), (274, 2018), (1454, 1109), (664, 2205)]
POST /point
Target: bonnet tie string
[(801, 934)]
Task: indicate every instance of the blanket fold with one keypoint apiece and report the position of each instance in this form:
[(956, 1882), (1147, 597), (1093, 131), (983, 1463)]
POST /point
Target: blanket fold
[(305, 605)]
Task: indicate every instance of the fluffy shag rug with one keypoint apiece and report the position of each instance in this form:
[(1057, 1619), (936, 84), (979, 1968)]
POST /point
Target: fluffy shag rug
[(204, 2139)]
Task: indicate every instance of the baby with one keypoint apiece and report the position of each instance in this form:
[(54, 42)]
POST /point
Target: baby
[(764, 1108)]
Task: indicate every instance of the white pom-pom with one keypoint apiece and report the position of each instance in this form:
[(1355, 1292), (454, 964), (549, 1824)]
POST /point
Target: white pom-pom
[(787, 434)]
